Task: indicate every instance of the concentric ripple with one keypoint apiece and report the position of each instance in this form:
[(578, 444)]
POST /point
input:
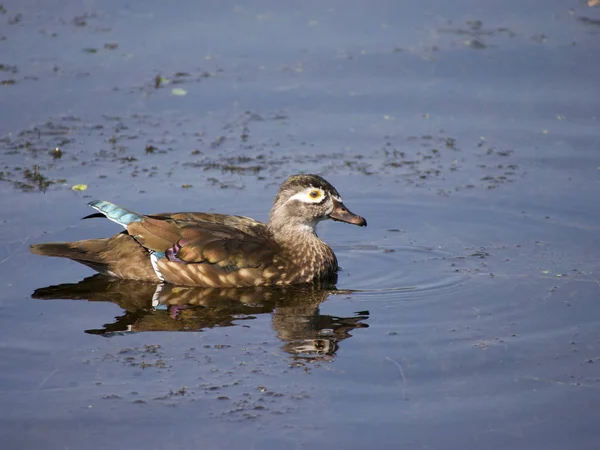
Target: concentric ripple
[(402, 272)]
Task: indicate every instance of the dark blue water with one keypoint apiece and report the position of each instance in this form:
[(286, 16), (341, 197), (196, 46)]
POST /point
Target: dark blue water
[(466, 314)]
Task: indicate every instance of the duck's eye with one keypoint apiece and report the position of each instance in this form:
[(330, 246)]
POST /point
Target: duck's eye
[(314, 194)]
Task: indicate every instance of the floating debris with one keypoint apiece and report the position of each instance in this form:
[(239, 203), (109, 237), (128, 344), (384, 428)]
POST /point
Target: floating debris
[(159, 81)]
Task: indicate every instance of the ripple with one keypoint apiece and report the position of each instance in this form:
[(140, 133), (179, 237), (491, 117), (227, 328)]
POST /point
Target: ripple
[(402, 272)]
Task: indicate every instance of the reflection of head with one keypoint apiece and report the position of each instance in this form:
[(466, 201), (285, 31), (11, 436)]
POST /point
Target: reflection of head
[(311, 349)]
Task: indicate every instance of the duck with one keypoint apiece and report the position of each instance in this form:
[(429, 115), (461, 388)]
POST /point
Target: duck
[(219, 250)]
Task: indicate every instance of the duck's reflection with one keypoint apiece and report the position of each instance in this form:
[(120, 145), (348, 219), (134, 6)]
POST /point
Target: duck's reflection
[(148, 307)]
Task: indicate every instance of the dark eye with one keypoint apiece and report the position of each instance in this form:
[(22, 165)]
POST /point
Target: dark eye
[(314, 194)]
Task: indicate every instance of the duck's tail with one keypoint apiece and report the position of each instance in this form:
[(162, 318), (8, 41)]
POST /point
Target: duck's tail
[(91, 252), (88, 251), (118, 256)]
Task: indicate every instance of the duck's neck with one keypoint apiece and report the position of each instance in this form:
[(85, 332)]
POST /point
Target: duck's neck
[(310, 257)]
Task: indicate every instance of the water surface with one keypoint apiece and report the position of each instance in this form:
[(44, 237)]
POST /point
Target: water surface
[(466, 314)]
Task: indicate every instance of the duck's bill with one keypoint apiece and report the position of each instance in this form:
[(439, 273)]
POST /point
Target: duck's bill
[(343, 214)]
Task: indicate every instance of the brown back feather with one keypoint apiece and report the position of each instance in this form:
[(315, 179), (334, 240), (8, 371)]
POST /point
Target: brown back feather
[(228, 242)]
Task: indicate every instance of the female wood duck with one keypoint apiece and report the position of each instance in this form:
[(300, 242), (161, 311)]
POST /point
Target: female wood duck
[(218, 250)]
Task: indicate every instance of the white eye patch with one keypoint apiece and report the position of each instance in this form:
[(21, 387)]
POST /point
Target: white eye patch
[(309, 195)]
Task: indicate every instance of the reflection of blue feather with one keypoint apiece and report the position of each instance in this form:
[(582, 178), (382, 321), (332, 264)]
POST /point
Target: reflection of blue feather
[(115, 213)]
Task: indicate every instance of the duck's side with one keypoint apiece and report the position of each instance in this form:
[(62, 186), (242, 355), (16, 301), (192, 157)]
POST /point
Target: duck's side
[(216, 250), (210, 250), (201, 251)]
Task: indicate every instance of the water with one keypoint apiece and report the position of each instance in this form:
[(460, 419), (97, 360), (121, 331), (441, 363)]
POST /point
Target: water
[(466, 313)]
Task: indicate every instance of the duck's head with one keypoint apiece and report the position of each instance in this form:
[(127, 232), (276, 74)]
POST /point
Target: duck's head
[(305, 200)]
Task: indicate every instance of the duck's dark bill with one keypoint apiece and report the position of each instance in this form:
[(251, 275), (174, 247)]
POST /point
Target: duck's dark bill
[(343, 214)]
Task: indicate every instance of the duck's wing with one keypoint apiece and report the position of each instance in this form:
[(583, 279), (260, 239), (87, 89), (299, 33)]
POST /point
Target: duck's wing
[(200, 249), (245, 224), (208, 254)]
